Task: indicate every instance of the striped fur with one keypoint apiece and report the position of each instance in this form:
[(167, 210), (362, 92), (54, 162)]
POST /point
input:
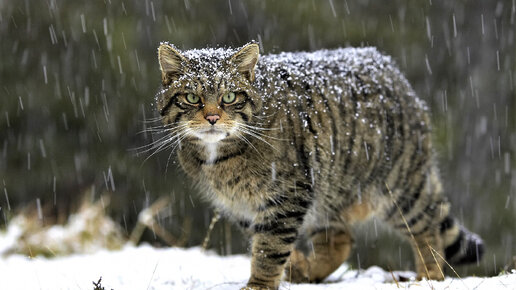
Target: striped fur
[(313, 143)]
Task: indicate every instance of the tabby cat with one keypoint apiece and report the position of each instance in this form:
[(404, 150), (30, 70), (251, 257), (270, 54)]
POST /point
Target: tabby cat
[(300, 146)]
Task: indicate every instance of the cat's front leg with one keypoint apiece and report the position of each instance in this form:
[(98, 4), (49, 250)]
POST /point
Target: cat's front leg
[(270, 253), (275, 232)]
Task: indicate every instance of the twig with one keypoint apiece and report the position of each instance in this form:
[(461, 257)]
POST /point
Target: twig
[(146, 220), (162, 233), (432, 250), (395, 280), (98, 285), (153, 273), (187, 230), (214, 220), (440, 256), (410, 232)]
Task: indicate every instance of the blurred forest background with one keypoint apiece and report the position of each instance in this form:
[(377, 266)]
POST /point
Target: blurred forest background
[(78, 79)]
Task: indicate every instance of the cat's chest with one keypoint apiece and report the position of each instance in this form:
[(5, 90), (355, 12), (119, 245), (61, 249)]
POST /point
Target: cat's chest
[(238, 185), (234, 179), (234, 188)]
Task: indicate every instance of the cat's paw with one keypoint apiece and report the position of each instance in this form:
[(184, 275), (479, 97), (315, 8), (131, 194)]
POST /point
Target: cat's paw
[(256, 287), (298, 270), (432, 272)]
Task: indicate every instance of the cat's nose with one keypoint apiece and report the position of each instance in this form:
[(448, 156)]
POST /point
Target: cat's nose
[(212, 119)]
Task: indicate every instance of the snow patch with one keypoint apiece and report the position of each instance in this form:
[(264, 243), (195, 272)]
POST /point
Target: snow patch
[(145, 267)]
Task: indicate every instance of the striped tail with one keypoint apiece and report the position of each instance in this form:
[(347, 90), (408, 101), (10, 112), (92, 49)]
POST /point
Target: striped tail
[(460, 245)]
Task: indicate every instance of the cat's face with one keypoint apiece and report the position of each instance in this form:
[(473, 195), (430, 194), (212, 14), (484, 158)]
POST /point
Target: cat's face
[(207, 94)]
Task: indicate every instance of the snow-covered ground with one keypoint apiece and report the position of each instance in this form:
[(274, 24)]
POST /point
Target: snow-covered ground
[(145, 267)]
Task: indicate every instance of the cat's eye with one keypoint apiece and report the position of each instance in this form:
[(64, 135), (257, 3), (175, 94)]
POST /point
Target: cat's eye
[(192, 99), (229, 98)]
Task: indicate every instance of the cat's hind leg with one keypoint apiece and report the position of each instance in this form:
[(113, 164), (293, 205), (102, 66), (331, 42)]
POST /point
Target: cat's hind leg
[(417, 212), (328, 249)]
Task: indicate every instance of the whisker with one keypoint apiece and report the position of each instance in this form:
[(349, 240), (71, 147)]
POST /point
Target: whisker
[(264, 135), (169, 143), (150, 145), (158, 143), (257, 128), (161, 129), (260, 133), (171, 124), (153, 144), (177, 144), (170, 137), (152, 119), (256, 136), (241, 137), (168, 160)]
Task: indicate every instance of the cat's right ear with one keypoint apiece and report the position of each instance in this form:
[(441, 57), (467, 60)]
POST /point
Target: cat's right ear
[(171, 63)]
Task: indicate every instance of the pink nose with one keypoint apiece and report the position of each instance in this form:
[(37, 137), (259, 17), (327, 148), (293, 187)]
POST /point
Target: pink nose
[(212, 119)]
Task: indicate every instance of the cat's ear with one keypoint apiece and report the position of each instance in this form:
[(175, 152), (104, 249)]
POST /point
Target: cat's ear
[(245, 60), (171, 63)]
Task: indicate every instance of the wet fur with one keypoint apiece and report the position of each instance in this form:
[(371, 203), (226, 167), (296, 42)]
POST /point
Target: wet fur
[(328, 138)]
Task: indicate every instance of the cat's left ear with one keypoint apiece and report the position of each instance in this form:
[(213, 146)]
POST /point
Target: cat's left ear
[(171, 63), (245, 60)]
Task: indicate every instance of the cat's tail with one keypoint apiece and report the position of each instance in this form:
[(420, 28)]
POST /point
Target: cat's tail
[(460, 245)]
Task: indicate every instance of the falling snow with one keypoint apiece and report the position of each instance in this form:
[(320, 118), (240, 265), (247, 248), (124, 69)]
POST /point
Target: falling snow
[(78, 80)]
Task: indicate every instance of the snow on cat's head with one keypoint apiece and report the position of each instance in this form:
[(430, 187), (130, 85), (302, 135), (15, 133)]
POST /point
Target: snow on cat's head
[(207, 94)]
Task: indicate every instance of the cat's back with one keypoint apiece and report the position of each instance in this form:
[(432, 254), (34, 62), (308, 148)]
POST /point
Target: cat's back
[(349, 112), (362, 82), (360, 69)]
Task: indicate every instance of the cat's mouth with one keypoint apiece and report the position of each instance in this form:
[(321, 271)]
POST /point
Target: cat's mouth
[(212, 135), (212, 131)]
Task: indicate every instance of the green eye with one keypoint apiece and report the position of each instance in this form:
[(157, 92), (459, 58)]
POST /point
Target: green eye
[(192, 99), (229, 98)]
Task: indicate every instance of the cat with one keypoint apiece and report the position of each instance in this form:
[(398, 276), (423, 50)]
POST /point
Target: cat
[(302, 145)]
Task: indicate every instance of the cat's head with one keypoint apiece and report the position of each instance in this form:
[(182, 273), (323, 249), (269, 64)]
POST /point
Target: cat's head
[(208, 93)]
